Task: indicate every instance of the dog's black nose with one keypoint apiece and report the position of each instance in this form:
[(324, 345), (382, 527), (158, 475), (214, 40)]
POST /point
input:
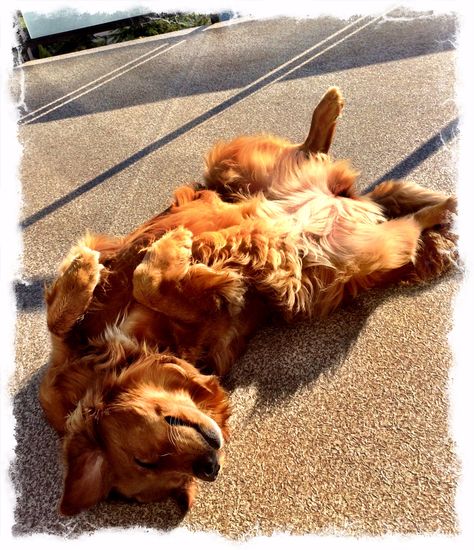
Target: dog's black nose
[(207, 467)]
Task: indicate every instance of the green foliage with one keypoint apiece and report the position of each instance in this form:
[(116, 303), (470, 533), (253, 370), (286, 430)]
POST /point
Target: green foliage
[(159, 24), (145, 26), (70, 45), (21, 22), (43, 51)]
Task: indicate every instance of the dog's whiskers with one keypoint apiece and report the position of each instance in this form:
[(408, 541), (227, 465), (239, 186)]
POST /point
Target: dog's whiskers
[(175, 437), (172, 436)]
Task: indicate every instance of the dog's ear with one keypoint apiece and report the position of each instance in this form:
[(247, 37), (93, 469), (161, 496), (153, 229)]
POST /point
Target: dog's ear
[(88, 478)]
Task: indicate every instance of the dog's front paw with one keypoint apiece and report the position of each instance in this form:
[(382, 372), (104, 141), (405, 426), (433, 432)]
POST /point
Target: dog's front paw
[(166, 260), (69, 296), (80, 271), (170, 255)]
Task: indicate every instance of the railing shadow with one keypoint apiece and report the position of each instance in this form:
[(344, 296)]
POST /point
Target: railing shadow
[(402, 169), (291, 68), (420, 154), (30, 294)]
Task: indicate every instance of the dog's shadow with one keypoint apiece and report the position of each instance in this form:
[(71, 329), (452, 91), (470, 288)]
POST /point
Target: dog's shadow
[(281, 359)]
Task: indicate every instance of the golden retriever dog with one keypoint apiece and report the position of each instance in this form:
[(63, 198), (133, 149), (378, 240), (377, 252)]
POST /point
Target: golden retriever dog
[(143, 326)]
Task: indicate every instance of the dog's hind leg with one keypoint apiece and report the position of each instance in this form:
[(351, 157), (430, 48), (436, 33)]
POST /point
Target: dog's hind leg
[(437, 247), (323, 123), (392, 244), (399, 198), (413, 249), (247, 164)]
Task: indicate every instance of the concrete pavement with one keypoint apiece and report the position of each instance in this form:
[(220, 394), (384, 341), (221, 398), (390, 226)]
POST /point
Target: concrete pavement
[(339, 425)]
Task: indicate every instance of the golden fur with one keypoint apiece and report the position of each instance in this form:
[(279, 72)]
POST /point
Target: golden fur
[(137, 321)]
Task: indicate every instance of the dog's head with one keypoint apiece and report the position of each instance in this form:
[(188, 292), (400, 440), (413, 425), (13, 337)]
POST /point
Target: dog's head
[(145, 433)]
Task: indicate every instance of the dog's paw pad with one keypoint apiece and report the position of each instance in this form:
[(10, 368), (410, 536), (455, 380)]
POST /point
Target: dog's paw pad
[(451, 205), (437, 254)]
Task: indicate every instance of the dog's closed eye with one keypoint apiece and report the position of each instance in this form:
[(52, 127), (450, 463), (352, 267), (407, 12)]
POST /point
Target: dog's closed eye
[(213, 438), (148, 465), (152, 464)]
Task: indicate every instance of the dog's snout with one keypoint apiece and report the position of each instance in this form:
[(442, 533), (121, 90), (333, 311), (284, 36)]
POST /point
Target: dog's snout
[(175, 421), (211, 434), (212, 437), (207, 467)]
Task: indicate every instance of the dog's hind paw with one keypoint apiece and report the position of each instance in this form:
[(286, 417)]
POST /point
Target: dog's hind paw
[(440, 214), (331, 104), (437, 254), (323, 122)]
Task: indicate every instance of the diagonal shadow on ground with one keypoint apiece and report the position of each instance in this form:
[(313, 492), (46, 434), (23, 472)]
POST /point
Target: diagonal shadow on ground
[(233, 57), (419, 155), (297, 67), (401, 170)]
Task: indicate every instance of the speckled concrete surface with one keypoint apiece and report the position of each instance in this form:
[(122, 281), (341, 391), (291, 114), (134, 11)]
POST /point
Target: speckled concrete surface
[(338, 426)]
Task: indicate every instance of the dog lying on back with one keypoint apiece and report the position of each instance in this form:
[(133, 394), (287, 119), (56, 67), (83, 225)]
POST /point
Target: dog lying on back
[(137, 323)]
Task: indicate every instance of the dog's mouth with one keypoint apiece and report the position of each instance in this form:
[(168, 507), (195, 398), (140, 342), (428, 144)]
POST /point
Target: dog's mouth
[(211, 435)]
